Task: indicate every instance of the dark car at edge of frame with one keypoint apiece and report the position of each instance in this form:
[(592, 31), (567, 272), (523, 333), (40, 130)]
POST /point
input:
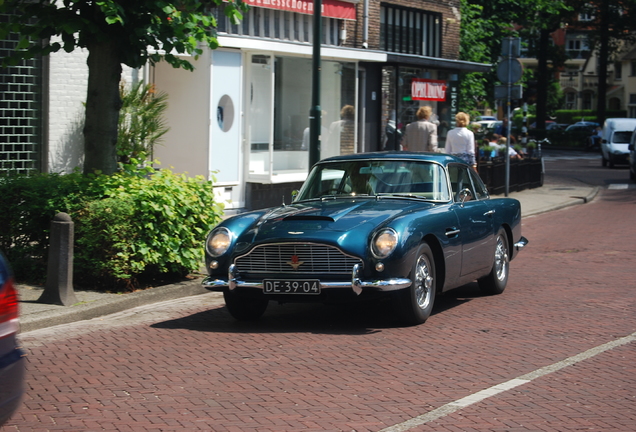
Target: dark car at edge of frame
[(398, 224)]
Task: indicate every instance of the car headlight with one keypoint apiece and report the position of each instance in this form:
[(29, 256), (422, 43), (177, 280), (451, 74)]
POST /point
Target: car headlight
[(218, 242), (384, 243)]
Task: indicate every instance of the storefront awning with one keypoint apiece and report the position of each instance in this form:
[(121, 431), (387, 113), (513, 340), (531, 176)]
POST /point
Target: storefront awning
[(433, 62), (330, 8)]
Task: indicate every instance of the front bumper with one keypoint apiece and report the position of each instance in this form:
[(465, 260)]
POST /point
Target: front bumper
[(356, 284)]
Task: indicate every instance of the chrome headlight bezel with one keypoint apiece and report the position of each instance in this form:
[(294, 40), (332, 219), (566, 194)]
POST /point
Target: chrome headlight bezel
[(218, 241), (384, 243)]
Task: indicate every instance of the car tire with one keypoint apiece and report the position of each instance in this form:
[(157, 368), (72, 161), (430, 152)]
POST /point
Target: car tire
[(415, 303), (632, 175), (610, 161), (244, 308), (495, 282), (604, 161)]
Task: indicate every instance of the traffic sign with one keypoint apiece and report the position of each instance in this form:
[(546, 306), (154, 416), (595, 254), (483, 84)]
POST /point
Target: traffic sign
[(509, 70), (516, 92)]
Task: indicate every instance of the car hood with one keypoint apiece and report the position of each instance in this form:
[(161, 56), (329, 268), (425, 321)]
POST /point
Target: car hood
[(331, 221)]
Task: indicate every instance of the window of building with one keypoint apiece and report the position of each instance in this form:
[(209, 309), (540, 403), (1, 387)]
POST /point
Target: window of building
[(20, 112), (410, 31), (577, 47), (618, 70), (632, 68), (587, 100), (280, 24), (632, 105), (279, 99)]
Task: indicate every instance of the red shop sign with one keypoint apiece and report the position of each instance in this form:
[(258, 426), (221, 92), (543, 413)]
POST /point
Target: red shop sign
[(429, 90), (330, 8)]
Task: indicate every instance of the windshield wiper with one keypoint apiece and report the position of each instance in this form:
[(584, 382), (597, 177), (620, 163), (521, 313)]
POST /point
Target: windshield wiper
[(403, 195)]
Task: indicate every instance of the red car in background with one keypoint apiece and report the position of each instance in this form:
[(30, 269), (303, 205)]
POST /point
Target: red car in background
[(12, 362)]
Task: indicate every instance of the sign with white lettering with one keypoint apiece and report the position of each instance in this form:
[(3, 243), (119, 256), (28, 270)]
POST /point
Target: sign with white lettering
[(330, 8), (428, 90)]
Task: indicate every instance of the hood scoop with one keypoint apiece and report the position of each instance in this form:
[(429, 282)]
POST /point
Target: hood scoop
[(301, 217)]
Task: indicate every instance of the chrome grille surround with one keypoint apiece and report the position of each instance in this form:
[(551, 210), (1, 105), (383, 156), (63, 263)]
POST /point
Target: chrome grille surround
[(312, 259)]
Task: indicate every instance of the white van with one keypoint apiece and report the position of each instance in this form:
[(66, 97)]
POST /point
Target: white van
[(617, 133)]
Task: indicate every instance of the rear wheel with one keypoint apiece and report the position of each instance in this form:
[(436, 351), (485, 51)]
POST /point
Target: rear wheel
[(244, 308), (495, 282), (415, 304)]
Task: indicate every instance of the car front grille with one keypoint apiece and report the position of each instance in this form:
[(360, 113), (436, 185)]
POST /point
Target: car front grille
[(296, 258)]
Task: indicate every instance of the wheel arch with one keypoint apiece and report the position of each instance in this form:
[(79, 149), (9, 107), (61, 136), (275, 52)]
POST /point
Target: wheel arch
[(509, 237), (440, 264)]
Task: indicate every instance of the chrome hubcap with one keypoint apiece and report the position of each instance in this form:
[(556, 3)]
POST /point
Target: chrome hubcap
[(423, 282), (501, 259)]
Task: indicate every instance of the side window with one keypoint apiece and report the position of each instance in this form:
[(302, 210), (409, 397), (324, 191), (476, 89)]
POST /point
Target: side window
[(460, 180), (481, 192)]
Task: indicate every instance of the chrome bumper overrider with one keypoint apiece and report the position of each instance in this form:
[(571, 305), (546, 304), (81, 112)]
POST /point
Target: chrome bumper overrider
[(521, 243), (355, 284)]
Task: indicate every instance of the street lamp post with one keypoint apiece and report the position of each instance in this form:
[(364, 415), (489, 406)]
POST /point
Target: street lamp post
[(315, 112)]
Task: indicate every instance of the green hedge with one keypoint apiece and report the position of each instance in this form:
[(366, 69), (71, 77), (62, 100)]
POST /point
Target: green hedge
[(130, 227)]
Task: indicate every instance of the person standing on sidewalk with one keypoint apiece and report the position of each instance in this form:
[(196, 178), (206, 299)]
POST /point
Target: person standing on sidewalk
[(421, 135), (460, 141)]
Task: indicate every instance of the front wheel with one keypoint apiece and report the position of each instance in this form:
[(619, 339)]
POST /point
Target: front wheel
[(415, 304), (244, 308), (495, 282)]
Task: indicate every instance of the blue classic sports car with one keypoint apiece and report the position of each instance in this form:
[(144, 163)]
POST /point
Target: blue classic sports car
[(406, 225)]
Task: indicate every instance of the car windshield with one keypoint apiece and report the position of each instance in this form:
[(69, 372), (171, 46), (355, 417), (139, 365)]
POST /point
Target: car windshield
[(419, 179), (621, 137)]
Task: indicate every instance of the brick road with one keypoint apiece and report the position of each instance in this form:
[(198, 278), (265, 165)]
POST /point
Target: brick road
[(187, 365)]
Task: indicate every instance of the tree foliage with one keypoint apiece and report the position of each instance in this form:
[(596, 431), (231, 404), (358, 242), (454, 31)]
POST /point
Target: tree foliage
[(485, 23), (114, 32)]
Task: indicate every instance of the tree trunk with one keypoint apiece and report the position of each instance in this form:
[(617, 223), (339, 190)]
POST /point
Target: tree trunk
[(543, 78), (102, 108)]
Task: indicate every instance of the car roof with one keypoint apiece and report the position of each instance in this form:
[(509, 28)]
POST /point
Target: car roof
[(441, 158)]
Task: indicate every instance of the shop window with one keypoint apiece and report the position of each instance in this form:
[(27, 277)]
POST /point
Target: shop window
[(410, 31), (278, 115)]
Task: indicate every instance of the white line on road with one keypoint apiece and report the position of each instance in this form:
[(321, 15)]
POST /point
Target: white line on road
[(619, 186), (454, 406)]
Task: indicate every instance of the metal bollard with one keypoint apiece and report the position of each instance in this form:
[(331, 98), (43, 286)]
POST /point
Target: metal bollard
[(59, 272)]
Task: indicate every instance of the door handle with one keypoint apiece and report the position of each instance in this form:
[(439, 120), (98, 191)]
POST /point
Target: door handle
[(489, 213), (452, 232)]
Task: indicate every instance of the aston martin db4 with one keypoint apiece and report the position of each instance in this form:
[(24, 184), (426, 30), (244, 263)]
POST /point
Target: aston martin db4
[(399, 224)]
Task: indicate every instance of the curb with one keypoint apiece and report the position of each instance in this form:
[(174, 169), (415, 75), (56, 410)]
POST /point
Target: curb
[(572, 202), (109, 306)]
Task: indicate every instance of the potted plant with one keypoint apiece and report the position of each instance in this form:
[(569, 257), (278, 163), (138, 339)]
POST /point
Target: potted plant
[(486, 152)]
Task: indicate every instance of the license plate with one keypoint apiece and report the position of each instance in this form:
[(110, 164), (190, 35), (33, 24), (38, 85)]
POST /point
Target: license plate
[(274, 286)]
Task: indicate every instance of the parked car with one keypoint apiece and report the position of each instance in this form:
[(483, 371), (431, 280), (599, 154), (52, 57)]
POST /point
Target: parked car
[(399, 224), (486, 118), (617, 133), (582, 126), (549, 124), (12, 362)]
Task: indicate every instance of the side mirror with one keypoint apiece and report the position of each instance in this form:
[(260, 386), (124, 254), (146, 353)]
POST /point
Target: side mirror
[(465, 195)]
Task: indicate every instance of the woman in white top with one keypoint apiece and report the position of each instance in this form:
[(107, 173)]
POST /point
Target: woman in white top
[(460, 141)]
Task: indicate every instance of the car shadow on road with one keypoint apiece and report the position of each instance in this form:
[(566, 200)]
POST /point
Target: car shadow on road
[(349, 318)]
